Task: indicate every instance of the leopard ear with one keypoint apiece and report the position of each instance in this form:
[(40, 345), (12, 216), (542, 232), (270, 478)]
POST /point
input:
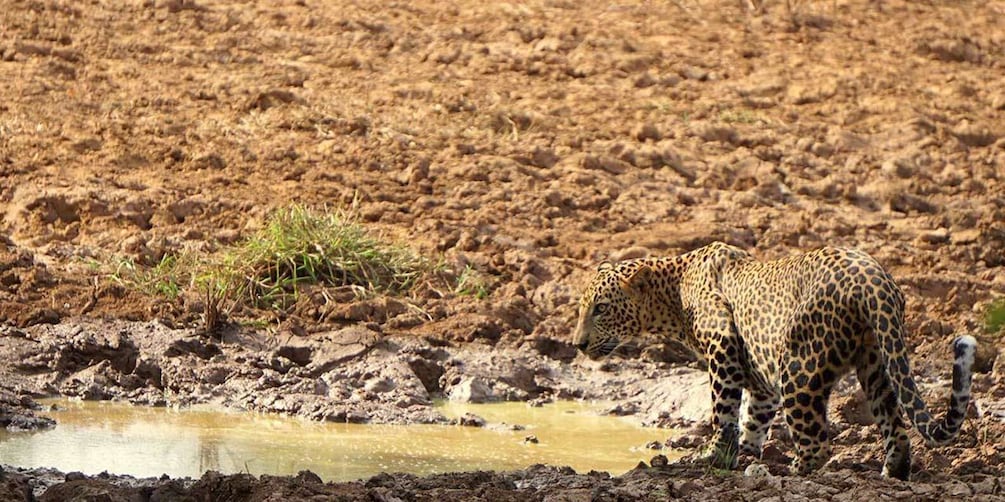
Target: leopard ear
[(605, 266), (639, 280)]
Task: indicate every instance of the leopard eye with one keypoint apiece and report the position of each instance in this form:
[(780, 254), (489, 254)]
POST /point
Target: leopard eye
[(600, 308)]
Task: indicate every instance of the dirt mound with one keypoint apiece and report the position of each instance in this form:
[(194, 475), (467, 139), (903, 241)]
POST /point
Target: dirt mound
[(526, 142)]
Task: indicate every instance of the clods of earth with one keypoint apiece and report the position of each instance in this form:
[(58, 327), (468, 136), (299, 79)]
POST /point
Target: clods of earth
[(523, 142)]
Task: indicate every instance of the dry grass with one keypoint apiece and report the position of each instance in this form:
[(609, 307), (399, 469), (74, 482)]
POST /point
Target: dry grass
[(298, 246)]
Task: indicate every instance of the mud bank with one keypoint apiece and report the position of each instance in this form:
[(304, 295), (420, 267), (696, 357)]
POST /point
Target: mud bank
[(356, 374), (673, 482), (360, 374)]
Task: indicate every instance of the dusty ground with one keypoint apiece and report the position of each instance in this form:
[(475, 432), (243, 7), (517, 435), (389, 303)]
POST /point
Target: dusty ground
[(527, 140)]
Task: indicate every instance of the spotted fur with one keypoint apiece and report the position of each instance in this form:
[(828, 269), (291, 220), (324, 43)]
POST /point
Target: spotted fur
[(778, 334)]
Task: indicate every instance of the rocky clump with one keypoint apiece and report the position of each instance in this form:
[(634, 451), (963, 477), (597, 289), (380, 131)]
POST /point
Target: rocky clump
[(18, 414), (662, 482)]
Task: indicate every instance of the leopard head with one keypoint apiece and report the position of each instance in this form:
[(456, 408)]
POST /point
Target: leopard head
[(609, 310)]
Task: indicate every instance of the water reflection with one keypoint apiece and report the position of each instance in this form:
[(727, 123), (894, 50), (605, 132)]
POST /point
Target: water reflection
[(93, 437)]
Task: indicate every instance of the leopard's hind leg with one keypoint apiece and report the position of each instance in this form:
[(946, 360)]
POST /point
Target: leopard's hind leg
[(805, 393), (883, 403), (756, 418), (808, 375)]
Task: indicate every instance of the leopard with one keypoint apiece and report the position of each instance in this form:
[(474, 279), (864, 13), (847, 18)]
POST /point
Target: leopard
[(777, 334)]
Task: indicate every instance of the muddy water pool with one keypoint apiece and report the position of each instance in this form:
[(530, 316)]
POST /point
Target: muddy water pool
[(96, 436)]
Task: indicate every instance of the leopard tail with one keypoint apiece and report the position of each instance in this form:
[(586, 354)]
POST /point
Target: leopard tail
[(890, 333)]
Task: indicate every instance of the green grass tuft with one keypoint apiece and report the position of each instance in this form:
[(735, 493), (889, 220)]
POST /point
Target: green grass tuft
[(471, 282), (300, 245), (166, 279), (994, 318)]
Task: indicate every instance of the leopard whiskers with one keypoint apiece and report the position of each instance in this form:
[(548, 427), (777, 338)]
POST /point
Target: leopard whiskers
[(608, 347), (622, 347)]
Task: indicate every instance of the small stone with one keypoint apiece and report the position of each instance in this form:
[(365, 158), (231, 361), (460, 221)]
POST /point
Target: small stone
[(801, 95), (471, 420), (133, 245), (968, 236), (543, 157), (905, 203), (687, 488), (694, 73), (659, 461), (822, 150), (985, 487), (645, 80), (379, 385), (272, 98), (899, 168), (415, 173), (937, 236), (763, 88), (998, 101), (630, 253), (75, 476), (723, 134), (952, 50), (647, 131), (470, 390), (360, 126), (309, 478), (532, 439), (773, 189), (772, 453), (958, 490), (986, 355), (446, 56), (87, 145), (973, 135), (846, 141), (669, 80), (757, 471), (856, 410), (210, 161), (605, 163), (939, 461), (548, 44)]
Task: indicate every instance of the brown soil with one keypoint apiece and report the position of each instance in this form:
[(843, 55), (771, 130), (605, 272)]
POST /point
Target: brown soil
[(536, 483), (526, 140)]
